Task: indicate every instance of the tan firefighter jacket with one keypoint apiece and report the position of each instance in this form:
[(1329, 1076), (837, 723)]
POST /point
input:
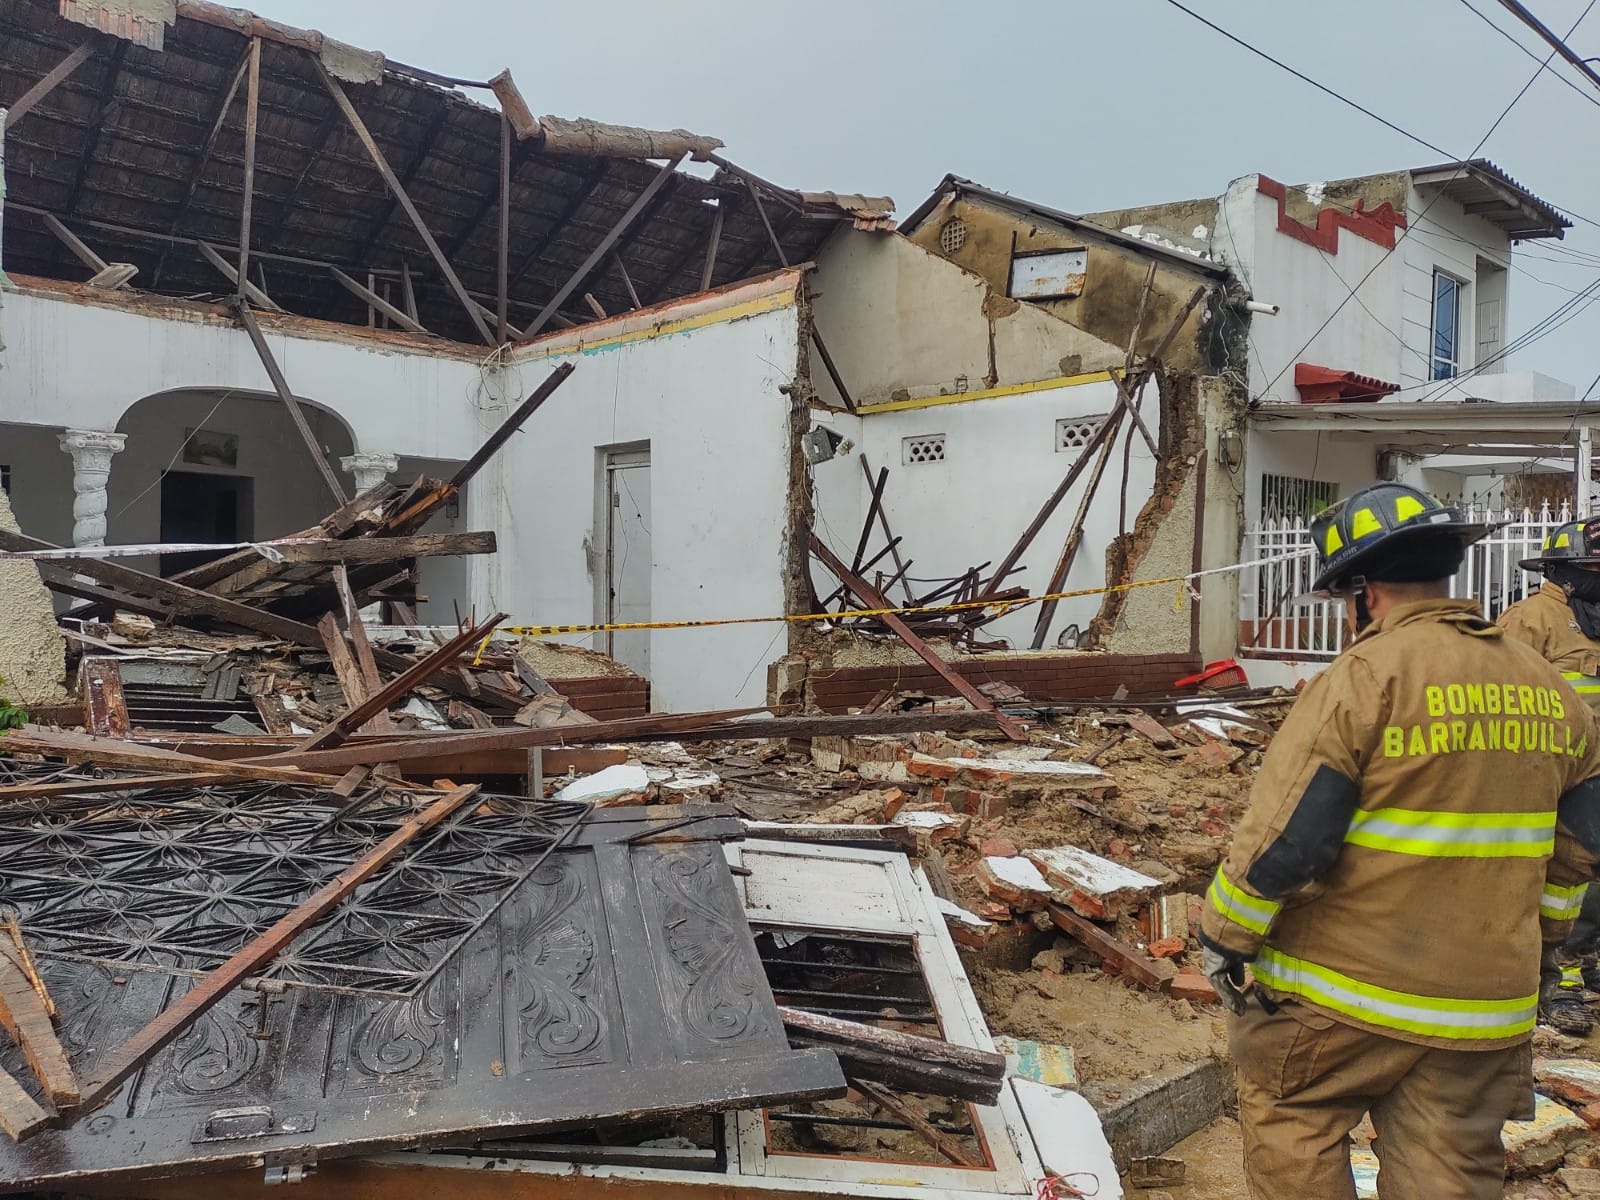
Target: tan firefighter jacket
[(1393, 869), (1544, 620)]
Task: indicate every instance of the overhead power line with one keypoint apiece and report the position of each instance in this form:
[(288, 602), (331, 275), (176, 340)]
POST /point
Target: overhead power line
[(1588, 95), (1551, 39)]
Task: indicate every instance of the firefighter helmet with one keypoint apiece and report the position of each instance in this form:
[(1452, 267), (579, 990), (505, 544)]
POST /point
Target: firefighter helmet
[(1576, 543), (1386, 531)]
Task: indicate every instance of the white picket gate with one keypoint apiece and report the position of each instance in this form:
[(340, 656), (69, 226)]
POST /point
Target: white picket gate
[(1274, 622)]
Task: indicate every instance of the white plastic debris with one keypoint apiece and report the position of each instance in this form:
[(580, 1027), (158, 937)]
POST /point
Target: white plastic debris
[(961, 916), (1067, 1132)]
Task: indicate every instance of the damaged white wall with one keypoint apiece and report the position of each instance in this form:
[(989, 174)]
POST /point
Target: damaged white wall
[(701, 384), (1000, 464)]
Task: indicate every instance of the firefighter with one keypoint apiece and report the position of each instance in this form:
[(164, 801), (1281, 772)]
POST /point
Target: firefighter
[(1562, 622), (1391, 877)]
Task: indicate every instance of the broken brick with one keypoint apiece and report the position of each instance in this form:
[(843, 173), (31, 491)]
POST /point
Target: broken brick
[(1190, 984), (1169, 947), (991, 805), (1590, 1115), (1539, 1144), (997, 847), (1212, 754), (893, 801), (1091, 885), (1580, 1181), (1572, 1080)]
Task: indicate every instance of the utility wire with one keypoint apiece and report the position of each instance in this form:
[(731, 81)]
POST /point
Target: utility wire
[(1591, 97), (1461, 162), (1557, 45)]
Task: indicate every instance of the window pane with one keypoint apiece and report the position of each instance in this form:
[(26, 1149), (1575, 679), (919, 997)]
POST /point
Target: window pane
[(1446, 326)]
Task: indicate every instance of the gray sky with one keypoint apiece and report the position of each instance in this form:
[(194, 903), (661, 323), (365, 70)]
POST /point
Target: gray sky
[(1081, 106)]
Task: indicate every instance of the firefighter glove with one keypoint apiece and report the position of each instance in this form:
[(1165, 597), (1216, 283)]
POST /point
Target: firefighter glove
[(1226, 973)]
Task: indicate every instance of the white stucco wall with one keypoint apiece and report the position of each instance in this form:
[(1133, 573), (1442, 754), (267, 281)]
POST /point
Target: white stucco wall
[(1310, 286), (1000, 465), (84, 363), (1444, 238), (703, 390)]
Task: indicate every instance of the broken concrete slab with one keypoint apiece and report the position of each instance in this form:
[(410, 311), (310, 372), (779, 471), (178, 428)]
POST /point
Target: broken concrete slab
[(1580, 1181), (1093, 886), (1571, 1080), (33, 654), (1002, 770), (1013, 881), (1538, 1145), (622, 784), (1156, 1113)]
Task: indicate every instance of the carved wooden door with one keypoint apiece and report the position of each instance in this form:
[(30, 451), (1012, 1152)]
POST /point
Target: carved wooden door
[(619, 980)]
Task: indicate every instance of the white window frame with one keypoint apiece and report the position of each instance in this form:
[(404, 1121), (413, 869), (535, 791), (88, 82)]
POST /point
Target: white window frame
[(1440, 366)]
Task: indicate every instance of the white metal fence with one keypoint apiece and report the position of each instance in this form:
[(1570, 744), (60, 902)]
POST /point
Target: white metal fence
[(1272, 625)]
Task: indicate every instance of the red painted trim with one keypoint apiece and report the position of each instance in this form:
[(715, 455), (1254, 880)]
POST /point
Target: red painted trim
[(1376, 226)]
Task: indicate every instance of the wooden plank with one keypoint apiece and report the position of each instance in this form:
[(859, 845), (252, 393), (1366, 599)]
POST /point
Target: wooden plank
[(174, 598), (627, 280), (502, 273), (25, 103), (1069, 550), (712, 243), (875, 599), (25, 1017), (337, 730), (918, 1049), (75, 244), (400, 194), (127, 1058), (401, 318), (281, 386), (116, 752), (1154, 973), (14, 932), (883, 522), (655, 727), (946, 1145), (873, 509), (1090, 449), (124, 783), (104, 701), (761, 211), (536, 683), (351, 680), (252, 116), (833, 371), (231, 273), (365, 662), (20, 1114), (510, 425), (613, 235)]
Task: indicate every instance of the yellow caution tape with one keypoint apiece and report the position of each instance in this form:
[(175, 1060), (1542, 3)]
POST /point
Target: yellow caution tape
[(1001, 607)]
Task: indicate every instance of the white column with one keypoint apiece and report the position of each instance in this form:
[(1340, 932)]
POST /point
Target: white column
[(369, 469), (91, 451)]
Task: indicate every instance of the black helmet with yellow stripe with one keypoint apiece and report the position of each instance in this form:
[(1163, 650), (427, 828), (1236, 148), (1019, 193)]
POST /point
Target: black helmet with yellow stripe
[(1389, 531), (1577, 543)]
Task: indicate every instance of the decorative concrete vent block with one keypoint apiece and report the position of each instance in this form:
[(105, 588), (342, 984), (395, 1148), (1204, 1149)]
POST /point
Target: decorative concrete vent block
[(928, 448), (1074, 433)]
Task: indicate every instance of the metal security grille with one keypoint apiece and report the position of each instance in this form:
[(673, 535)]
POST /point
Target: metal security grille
[(176, 880), (1288, 496), (926, 449), (1276, 620), (1074, 433)]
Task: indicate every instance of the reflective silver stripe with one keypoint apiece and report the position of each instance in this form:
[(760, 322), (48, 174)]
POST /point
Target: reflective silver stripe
[(1455, 834), (1561, 903), (1431, 1016), (1238, 906), (1584, 685)]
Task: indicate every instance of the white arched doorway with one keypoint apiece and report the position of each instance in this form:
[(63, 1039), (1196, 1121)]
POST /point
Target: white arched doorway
[(211, 465)]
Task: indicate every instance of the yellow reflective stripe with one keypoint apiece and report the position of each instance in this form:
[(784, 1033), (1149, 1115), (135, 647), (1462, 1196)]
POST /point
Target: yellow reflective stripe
[(1584, 685), (1562, 903), (1454, 834), (1428, 1016), (1571, 977), (1240, 907)]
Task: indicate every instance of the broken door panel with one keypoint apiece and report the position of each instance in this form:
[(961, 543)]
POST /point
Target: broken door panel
[(617, 979)]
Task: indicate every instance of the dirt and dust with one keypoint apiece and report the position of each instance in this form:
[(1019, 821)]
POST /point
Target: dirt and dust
[(554, 660), (1117, 1032)]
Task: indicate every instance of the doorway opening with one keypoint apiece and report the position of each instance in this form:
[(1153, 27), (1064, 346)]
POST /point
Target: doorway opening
[(630, 562), (198, 507)]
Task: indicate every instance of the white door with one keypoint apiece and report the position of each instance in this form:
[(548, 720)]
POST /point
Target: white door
[(1489, 318), (629, 563)]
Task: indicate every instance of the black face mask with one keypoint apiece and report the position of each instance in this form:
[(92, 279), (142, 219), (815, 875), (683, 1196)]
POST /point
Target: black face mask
[(1583, 594)]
